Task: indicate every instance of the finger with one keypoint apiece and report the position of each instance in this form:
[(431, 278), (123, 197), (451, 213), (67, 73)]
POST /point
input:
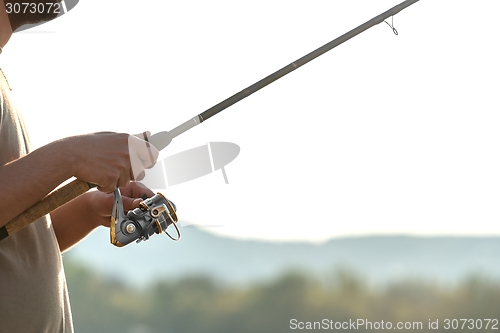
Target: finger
[(136, 164), (146, 151), (122, 182), (141, 156), (152, 150), (142, 189), (130, 203), (136, 190), (106, 189), (140, 176)]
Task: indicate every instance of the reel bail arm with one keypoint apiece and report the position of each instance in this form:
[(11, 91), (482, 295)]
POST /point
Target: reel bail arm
[(154, 215)]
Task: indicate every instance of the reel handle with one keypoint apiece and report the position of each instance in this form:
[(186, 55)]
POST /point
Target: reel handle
[(52, 201)]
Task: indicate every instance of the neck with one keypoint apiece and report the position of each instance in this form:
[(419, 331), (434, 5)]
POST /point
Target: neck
[(5, 28)]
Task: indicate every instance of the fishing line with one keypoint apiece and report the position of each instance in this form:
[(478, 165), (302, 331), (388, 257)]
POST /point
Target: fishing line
[(392, 25)]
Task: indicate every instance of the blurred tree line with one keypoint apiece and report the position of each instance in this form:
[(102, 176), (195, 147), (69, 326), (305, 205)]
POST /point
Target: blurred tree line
[(199, 304)]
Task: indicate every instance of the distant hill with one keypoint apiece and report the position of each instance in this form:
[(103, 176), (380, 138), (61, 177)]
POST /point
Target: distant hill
[(378, 259)]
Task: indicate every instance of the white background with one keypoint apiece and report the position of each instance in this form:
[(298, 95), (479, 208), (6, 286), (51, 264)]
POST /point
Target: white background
[(383, 135)]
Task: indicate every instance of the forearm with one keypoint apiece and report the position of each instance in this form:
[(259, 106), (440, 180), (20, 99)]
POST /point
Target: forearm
[(27, 180), (73, 221), (99, 158)]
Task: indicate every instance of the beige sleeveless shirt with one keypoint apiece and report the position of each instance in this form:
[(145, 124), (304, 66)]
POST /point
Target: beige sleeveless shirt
[(33, 292)]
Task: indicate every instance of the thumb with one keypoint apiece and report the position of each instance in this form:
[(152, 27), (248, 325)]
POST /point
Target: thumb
[(143, 155), (147, 152)]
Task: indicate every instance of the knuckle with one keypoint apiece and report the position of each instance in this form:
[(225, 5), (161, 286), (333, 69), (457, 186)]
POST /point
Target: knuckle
[(123, 182), (110, 178)]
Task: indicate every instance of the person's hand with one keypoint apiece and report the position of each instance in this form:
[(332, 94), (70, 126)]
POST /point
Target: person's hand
[(101, 204), (109, 160)]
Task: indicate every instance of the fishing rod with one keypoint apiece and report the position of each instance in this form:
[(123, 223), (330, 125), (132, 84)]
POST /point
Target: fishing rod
[(162, 139), (157, 213)]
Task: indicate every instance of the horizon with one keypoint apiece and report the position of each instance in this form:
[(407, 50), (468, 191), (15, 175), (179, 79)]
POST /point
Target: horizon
[(210, 230), (379, 258)]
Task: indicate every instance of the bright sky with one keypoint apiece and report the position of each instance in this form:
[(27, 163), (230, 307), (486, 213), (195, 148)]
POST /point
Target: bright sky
[(383, 135)]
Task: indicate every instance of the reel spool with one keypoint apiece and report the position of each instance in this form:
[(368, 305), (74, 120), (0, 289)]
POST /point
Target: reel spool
[(153, 216)]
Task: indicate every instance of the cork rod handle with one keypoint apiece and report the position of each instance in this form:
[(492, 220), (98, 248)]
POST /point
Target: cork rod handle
[(51, 202)]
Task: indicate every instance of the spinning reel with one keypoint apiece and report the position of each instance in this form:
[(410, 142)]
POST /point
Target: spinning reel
[(153, 216)]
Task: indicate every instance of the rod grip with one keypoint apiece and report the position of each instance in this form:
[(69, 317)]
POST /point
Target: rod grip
[(49, 203)]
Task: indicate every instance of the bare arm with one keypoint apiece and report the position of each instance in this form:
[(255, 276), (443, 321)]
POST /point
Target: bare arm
[(27, 180), (101, 158), (73, 221)]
